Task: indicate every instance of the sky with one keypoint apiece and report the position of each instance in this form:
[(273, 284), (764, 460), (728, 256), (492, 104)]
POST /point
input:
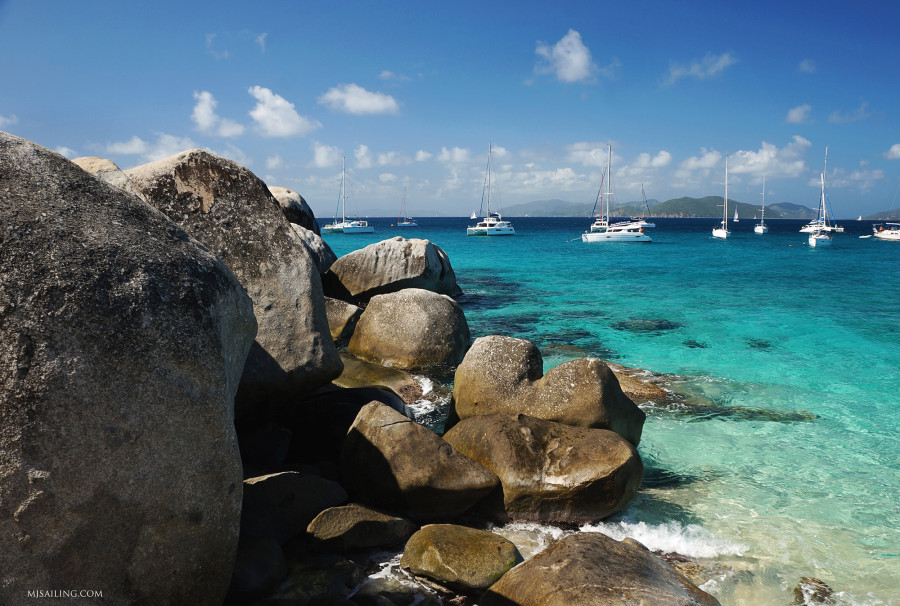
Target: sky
[(411, 94)]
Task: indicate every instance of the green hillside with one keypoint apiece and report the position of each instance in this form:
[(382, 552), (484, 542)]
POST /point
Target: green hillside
[(561, 208), (686, 207)]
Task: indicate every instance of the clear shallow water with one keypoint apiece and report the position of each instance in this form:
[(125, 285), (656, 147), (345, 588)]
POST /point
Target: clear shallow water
[(795, 469)]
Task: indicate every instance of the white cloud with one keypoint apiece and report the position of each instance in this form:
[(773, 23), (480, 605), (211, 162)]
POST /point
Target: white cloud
[(392, 159), (354, 99), (663, 158), (771, 161), (210, 48), (711, 65), (165, 146), (588, 154), (275, 116), (387, 178), (6, 121), (204, 116), (569, 59), (708, 159), (456, 155), (893, 153), (66, 151), (861, 179), (857, 115), (325, 156), (423, 156), (807, 66), (391, 76), (261, 41), (273, 162), (363, 157), (799, 114)]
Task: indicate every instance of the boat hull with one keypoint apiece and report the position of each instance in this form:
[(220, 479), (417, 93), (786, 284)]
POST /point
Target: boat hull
[(760, 229), (720, 233), (490, 231), (819, 240), (888, 235), (615, 237)]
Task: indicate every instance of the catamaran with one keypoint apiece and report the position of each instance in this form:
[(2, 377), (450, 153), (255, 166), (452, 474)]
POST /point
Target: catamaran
[(402, 220), (722, 232), (356, 226), (601, 229), (492, 224), (761, 227)]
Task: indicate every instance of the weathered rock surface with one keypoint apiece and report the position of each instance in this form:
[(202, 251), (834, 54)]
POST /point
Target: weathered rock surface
[(353, 527), (318, 249), (342, 317), (392, 462), (259, 568), (109, 172), (392, 265), (550, 472), (359, 373), (637, 386), (280, 506), (232, 212), (591, 569), (123, 342), (413, 328), (295, 208), (459, 558), (503, 375)]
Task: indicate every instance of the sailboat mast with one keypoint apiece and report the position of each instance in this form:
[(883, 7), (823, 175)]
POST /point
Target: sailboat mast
[(608, 183), (725, 210), (490, 152), (343, 192)]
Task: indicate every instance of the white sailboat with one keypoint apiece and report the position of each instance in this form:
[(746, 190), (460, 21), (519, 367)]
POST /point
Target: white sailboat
[(761, 227), (402, 219), (722, 231), (821, 236), (493, 224), (736, 216), (645, 212), (824, 220), (474, 216), (356, 226), (601, 230)]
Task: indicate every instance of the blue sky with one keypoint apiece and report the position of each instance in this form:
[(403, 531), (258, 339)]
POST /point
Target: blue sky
[(411, 93)]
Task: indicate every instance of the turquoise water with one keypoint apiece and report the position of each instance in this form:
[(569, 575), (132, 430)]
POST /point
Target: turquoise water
[(791, 467)]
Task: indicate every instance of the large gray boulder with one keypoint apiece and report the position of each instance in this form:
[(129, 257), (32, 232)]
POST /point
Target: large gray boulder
[(123, 341), (591, 569), (232, 212), (318, 249), (107, 170), (395, 264), (390, 461), (550, 472), (413, 328), (295, 208), (502, 375), (342, 317)]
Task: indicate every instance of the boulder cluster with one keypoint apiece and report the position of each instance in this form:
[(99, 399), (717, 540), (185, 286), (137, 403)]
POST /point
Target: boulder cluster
[(201, 404)]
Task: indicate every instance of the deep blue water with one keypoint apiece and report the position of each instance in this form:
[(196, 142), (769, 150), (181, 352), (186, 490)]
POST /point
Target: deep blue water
[(790, 466)]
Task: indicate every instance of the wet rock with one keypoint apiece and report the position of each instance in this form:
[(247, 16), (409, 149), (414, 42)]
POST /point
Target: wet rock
[(390, 461), (123, 342), (504, 375), (811, 591), (359, 373), (460, 558), (550, 472)]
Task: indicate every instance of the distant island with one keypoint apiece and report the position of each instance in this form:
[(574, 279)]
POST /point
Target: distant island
[(710, 206)]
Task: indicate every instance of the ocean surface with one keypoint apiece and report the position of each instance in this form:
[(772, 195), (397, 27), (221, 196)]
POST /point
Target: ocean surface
[(778, 456)]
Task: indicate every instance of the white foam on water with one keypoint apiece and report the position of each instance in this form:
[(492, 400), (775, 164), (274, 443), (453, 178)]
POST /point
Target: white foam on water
[(425, 383), (672, 537)]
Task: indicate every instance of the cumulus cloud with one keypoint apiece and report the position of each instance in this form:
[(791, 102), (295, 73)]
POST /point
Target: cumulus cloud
[(354, 99), (66, 151), (363, 157), (6, 121), (423, 156), (387, 177), (273, 162), (893, 153), (799, 114), (275, 116), (706, 160), (644, 160), (456, 155), (569, 59), (788, 161), (807, 66), (164, 146), (392, 77), (861, 179), (206, 120), (710, 66), (588, 154), (325, 156), (857, 115)]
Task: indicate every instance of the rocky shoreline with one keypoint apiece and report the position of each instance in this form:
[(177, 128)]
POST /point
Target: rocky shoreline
[(180, 423)]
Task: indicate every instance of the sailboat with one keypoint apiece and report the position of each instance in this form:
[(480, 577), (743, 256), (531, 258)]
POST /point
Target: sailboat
[(645, 211), (474, 215), (736, 216), (761, 227), (601, 230), (824, 220), (821, 236), (402, 220), (722, 232), (355, 226), (493, 224)]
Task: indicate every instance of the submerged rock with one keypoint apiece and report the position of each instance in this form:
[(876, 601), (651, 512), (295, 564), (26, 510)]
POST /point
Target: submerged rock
[(550, 472), (393, 462), (591, 569), (459, 558), (232, 212), (123, 341), (503, 375)]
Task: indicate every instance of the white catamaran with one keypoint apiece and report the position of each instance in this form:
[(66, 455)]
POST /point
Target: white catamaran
[(722, 231), (355, 226), (492, 224), (601, 229), (761, 227)]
